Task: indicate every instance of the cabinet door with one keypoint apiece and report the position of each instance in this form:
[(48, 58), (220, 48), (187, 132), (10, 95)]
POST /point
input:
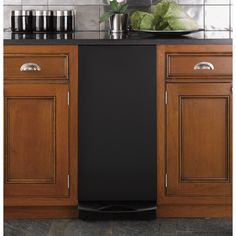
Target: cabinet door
[(36, 142), (198, 139)]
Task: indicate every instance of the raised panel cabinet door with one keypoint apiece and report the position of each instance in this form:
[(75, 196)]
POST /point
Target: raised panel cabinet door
[(36, 141), (198, 141)]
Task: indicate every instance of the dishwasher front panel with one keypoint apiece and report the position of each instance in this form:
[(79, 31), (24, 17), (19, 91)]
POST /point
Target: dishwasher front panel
[(117, 123)]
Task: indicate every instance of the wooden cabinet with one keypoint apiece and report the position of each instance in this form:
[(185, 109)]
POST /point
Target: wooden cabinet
[(198, 134), (40, 123), (36, 134), (194, 116)]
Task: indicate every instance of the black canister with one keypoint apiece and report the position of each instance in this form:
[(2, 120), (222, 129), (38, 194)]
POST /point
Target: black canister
[(21, 21), (42, 21), (63, 21)]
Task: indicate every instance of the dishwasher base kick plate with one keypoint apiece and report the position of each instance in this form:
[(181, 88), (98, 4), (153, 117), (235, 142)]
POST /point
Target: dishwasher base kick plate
[(117, 210)]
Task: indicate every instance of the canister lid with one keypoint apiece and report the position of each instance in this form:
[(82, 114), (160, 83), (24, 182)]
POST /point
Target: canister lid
[(42, 13), (21, 13), (63, 13)]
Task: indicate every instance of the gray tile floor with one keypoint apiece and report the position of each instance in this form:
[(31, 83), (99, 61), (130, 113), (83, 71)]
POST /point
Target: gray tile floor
[(160, 227)]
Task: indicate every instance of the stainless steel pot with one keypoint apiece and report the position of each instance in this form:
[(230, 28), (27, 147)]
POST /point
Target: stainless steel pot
[(118, 23), (64, 21), (42, 20), (21, 21)]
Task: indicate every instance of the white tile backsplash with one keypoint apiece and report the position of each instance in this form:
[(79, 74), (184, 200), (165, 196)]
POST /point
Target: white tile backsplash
[(231, 18), (210, 14), (217, 18), (61, 2), (197, 13), (81, 2), (215, 2), (35, 2), (12, 2), (34, 7), (191, 2), (87, 17), (217, 34)]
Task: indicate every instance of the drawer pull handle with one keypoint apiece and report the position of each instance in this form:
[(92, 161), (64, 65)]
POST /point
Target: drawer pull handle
[(204, 66), (30, 67)]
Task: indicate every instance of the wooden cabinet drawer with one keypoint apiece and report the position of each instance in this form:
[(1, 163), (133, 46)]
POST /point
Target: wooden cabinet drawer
[(45, 66), (185, 65)]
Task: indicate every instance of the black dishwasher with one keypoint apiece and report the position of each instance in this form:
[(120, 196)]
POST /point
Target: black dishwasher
[(117, 131)]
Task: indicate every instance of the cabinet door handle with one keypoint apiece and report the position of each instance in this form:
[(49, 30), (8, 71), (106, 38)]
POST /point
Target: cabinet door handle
[(204, 66), (30, 67)]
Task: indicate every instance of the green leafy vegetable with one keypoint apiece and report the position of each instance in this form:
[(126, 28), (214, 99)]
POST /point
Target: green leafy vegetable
[(135, 19), (167, 15), (174, 10), (142, 20), (182, 24), (159, 10), (147, 22)]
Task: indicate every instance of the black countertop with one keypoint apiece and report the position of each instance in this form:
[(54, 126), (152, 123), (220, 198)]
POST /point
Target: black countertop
[(105, 38)]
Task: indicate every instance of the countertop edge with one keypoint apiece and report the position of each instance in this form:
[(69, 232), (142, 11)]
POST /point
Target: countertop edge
[(116, 42)]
